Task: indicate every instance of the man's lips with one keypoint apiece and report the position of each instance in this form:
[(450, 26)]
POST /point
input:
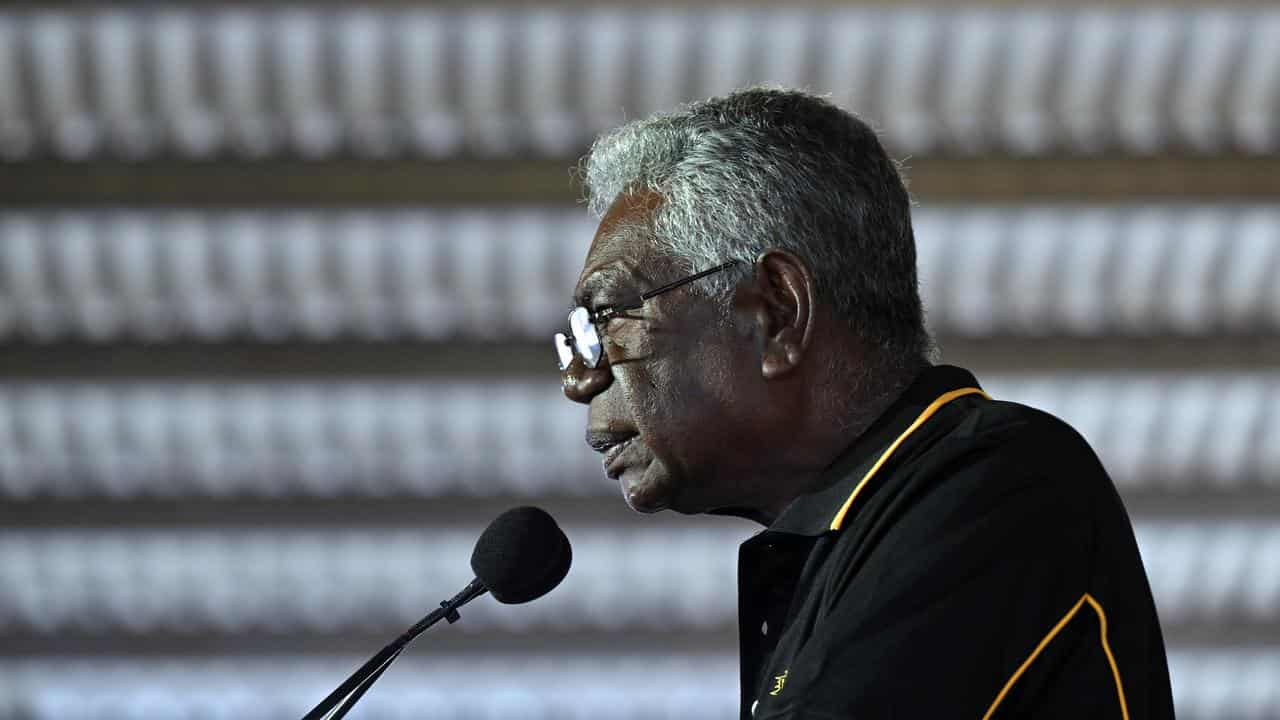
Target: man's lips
[(602, 440), (611, 443), (611, 457)]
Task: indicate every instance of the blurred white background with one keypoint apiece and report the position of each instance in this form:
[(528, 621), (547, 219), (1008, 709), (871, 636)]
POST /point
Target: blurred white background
[(277, 285)]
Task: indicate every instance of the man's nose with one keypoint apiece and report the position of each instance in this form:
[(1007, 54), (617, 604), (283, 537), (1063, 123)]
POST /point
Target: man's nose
[(581, 383)]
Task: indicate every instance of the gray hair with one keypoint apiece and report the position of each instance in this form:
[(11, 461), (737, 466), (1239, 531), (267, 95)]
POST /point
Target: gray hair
[(770, 168)]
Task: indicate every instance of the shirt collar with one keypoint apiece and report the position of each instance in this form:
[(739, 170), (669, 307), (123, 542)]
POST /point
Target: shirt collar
[(811, 514)]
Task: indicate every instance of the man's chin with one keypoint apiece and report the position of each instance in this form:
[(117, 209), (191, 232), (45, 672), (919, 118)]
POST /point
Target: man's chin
[(643, 493)]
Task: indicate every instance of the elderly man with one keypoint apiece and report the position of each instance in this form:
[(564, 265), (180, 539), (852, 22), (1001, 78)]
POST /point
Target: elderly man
[(750, 341)]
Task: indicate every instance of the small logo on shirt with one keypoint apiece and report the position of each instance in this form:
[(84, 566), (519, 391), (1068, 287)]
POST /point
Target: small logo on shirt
[(779, 681)]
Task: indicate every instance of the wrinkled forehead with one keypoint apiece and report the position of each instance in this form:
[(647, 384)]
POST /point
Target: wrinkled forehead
[(622, 247)]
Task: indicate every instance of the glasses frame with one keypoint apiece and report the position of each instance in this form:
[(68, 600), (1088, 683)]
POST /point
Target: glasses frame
[(599, 317)]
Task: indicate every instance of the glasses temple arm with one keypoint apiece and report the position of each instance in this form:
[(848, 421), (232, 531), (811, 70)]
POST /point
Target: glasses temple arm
[(683, 281), (611, 311)]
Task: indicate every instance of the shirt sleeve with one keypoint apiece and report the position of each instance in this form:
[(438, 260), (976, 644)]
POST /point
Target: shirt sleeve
[(972, 603)]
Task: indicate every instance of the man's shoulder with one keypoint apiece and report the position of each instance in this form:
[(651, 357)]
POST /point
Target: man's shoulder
[(1005, 441), (991, 471), (1018, 424)]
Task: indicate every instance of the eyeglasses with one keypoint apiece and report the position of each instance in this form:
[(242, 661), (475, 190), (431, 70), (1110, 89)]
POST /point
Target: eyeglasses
[(584, 324)]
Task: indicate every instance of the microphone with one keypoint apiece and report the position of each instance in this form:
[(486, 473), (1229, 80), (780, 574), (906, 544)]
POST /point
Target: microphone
[(521, 556)]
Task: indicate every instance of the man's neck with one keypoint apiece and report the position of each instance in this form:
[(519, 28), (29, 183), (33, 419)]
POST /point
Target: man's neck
[(845, 411)]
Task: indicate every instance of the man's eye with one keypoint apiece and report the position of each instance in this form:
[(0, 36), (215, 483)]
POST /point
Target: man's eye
[(591, 303), (604, 306)]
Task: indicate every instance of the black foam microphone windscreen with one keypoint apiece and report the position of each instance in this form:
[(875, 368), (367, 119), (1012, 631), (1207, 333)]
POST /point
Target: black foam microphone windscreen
[(522, 555)]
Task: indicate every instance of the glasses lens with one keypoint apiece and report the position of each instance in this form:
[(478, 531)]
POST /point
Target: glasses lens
[(564, 350), (585, 337)]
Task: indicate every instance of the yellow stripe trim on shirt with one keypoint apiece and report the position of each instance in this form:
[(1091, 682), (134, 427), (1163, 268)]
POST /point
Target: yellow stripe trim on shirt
[(884, 457), (1106, 648)]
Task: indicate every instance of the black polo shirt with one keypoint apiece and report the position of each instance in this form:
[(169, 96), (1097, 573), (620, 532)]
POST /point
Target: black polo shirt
[(964, 558)]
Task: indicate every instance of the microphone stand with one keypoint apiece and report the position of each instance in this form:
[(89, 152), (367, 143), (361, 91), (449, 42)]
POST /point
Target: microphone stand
[(345, 695)]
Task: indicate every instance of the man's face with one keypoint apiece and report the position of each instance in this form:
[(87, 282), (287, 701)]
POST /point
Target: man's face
[(663, 406)]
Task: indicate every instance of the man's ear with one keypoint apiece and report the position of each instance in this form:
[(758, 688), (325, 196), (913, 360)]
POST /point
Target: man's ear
[(781, 303)]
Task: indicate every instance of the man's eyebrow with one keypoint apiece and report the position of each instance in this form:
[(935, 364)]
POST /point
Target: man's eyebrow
[(597, 281)]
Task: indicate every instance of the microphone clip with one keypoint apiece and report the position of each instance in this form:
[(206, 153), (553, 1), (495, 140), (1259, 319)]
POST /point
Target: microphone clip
[(450, 611)]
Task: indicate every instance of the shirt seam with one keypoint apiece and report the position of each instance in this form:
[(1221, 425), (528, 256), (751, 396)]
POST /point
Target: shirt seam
[(1048, 638), (838, 521)]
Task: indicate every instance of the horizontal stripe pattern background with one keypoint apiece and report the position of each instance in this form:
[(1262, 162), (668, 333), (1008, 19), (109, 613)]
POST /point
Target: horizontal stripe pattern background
[(662, 579), (247, 438), (1218, 684), (1171, 431), (294, 81), (488, 275)]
